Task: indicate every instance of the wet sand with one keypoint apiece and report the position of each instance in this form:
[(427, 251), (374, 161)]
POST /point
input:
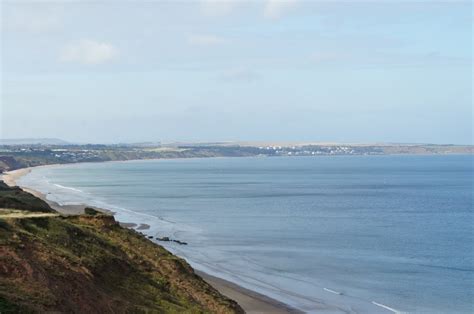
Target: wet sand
[(251, 301), (11, 177)]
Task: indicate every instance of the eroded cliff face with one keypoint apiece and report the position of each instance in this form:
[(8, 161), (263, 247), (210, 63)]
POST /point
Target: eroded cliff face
[(90, 264)]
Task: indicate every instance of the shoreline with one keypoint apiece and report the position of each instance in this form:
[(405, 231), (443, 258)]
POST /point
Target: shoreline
[(250, 301), (11, 177)]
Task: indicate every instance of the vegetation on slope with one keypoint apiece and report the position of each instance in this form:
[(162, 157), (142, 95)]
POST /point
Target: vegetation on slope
[(16, 198), (90, 264)]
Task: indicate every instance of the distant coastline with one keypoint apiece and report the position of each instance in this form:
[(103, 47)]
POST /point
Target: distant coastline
[(14, 157)]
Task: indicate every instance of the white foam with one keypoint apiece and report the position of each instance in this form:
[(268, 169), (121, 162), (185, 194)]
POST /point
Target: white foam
[(67, 188), (332, 291), (387, 307)]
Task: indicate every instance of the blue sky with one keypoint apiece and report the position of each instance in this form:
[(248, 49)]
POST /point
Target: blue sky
[(108, 71)]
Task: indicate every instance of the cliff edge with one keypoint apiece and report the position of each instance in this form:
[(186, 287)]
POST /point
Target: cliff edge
[(90, 264)]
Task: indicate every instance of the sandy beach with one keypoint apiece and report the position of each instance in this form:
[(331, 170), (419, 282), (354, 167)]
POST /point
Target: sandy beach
[(12, 177), (250, 301)]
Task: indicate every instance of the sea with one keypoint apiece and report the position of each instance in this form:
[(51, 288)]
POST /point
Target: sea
[(326, 234)]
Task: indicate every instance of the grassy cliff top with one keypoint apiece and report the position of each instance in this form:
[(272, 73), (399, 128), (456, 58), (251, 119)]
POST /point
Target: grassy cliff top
[(90, 264), (16, 198)]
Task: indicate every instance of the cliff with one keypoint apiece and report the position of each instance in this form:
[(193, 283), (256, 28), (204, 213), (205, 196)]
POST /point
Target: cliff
[(90, 264)]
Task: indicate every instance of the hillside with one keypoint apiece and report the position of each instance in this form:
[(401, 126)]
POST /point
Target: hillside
[(16, 198), (90, 264)]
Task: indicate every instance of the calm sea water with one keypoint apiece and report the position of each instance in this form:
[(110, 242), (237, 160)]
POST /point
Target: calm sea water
[(397, 231)]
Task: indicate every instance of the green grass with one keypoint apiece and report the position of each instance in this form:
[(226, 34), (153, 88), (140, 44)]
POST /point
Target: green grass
[(16, 198)]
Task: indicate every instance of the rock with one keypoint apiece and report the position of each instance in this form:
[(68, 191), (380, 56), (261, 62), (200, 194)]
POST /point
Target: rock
[(167, 239), (150, 237), (180, 242)]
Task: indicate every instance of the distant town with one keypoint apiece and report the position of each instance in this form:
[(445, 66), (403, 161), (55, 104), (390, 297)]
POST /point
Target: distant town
[(15, 155)]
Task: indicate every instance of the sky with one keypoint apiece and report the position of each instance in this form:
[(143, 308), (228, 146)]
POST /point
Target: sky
[(263, 70)]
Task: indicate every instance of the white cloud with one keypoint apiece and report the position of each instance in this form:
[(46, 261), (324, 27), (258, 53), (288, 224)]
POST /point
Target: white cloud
[(88, 52), (218, 7), (32, 18), (205, 40), (274, 9)]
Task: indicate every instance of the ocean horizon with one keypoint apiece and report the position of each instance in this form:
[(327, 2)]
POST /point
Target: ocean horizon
[(369, 234)]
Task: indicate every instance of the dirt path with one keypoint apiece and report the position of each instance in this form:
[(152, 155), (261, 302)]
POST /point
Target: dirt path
[(23, 214)]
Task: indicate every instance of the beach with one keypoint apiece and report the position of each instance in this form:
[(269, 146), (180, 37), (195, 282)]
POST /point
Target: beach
[(11, 177), (250, 301)]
